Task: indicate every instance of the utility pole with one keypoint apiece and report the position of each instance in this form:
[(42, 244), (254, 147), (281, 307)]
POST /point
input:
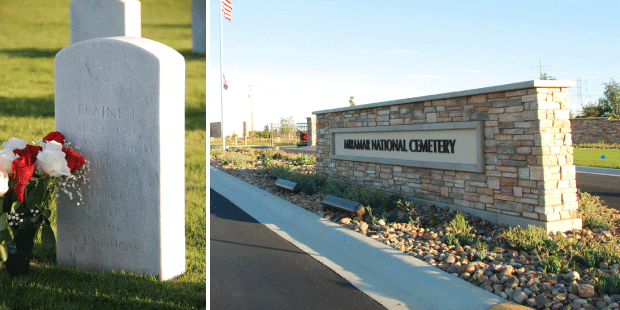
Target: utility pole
[(540, 68), (579, 92), (251, 109)]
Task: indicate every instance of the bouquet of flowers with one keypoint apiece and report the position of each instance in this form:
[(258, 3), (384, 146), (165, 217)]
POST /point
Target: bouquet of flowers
[(30, 175)]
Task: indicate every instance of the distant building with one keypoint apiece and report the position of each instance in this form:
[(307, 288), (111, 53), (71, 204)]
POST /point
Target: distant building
[(216, 130)]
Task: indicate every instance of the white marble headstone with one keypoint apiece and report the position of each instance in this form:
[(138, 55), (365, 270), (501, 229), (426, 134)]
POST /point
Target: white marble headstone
[(121, 101), (199, 26), (104, 18)]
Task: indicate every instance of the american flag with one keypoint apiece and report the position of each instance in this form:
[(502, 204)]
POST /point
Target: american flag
[(227, 9), (224, 82)]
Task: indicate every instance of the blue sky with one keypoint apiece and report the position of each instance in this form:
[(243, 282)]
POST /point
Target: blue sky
[(303, 56)]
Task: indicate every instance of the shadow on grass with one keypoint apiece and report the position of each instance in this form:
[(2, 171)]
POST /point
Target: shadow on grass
[(195, 118), (71, 288), (23, 106), (167, 25), (30, 52), (191, 56)]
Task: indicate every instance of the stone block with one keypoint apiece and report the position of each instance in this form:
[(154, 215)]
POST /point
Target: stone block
[(431, 117), (91, 19), (121, 101), (562, 114), (560, 96), (553, 200)]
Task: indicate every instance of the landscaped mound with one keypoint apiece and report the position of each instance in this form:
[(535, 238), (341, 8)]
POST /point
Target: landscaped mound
[(566, 270)]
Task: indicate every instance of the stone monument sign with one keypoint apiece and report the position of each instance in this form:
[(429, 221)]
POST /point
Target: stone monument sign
[(121, 102)]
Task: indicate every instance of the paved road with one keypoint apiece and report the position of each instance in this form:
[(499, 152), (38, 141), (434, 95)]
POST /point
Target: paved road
[(605, 186), (253, 268)]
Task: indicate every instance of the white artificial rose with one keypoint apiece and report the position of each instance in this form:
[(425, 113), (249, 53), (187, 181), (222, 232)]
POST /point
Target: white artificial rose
[(6, 161), (4, 183), (52, 160), (14, 143)]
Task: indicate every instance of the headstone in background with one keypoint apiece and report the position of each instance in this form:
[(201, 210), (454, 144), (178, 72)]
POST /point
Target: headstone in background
[(199, 26), (121, 101), (104, 18)]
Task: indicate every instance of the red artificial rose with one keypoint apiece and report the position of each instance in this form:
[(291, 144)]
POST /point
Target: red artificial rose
[(54, 136), (74, 161), (305, 137), (30, 151), (23, 169)]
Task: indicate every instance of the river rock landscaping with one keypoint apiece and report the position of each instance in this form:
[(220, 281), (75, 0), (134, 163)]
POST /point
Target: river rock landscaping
[(577, 269)]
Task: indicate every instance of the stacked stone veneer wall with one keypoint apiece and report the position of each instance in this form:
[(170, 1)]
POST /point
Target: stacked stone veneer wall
[(595, 130), (311, 131), (528, 178)]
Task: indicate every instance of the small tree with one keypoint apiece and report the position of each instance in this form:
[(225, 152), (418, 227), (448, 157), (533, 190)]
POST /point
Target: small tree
[(287, 126), (265, 132), (612, 97), (351, 103), (544, 76)]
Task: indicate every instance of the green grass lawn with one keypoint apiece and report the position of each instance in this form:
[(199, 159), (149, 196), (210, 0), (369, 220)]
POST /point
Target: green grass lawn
[(592, 158), (31, 33)]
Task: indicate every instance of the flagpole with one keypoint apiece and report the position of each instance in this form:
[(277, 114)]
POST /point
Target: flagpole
[(221, 86)]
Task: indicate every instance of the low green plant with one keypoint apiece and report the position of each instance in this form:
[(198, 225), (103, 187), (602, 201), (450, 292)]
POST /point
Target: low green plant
[(459, 225), (279, 171), (413, 222), (452, 240), (373, 217), (482, 249), (554, 263), (465, 239), (238, 158), (591, 252), (378, 200), (266, 161), (530, 238), (310, 182), (609, 284), (593, 213), (303, 160)]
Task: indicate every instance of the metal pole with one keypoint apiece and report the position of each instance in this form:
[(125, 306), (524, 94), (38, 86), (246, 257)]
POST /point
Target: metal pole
[(221, 81), (251, 108)]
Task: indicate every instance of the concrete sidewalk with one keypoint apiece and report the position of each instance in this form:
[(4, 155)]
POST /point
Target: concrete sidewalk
[(597, 170), (394, 279)]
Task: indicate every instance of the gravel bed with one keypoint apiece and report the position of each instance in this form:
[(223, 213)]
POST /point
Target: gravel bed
[(513, 275)]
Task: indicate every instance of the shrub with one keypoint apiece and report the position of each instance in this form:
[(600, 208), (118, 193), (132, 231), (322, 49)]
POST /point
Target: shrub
[(532, 238), (591, 253), (310, 182), (303, 160), (600, 145), (593, 213), (609, 284), (266, 160), (591, 112), (554, 263), (459, 226), (482, 249)]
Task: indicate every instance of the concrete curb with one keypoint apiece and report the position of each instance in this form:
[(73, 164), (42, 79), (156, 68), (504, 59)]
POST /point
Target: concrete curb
[(595, 170), (394, 279)]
